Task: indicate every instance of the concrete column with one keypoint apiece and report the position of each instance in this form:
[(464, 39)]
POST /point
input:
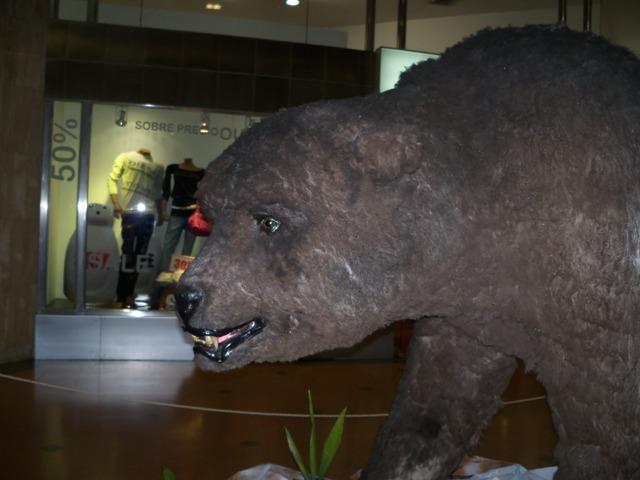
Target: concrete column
[(23, 33)]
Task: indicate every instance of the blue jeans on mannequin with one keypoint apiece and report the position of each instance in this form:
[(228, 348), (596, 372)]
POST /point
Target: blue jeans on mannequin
[(176, 225), (137, 229)]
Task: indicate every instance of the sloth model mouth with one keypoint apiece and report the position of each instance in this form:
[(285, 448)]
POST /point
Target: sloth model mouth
[(217, 345)]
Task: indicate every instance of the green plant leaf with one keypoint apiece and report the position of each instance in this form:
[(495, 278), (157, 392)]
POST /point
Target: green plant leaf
[(312, 440), (332, 444), (167, 474), (296, 455)]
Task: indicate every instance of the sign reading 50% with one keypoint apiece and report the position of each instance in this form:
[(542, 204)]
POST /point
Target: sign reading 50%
[(62, 154)]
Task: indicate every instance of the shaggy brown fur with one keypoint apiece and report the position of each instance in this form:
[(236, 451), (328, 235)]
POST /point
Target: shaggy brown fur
[(494, 197)]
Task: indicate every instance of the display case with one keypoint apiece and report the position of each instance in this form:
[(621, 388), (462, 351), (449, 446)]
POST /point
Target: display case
[(87, 249)]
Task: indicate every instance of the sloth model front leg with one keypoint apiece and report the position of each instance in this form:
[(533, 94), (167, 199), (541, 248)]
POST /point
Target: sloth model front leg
[(449, 391)]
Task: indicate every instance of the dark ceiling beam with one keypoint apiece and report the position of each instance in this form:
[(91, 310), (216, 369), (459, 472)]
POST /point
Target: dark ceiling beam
[(587, 13), (562, 12), (370, 26), (54, 8), (92, 11), (402, 24)]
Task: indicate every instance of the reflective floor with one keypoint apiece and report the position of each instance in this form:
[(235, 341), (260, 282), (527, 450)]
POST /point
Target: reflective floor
[(101, 424)]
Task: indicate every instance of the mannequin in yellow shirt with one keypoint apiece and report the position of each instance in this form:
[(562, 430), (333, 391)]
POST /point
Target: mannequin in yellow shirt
[(136, 202)]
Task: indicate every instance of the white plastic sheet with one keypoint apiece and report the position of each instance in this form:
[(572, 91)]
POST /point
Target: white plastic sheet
[(517, 472), (267, 471)]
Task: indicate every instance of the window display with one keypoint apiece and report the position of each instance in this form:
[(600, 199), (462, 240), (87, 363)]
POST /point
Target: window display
[(141, 182)]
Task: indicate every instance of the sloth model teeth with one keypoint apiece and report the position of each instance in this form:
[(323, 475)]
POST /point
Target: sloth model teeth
[(219, 347), (209, 341)]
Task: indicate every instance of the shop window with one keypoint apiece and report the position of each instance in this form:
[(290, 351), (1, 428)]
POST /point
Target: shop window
[(143, 166)]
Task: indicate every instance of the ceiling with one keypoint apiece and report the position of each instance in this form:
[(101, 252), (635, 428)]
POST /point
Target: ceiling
[(334, 13)]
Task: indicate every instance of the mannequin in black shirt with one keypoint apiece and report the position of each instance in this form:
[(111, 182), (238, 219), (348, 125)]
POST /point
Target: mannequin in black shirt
[(180, 184)]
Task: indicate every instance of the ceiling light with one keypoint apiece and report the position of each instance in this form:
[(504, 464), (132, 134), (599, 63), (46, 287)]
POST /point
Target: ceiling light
[(213, 6), (204, 123), (121, 117), (292, 3)]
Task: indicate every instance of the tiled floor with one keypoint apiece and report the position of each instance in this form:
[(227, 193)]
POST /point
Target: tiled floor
[(100, 426)]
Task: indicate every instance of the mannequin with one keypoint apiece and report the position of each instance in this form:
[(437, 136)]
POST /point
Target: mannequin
[(185, 177), (180, 185), (140, 199)]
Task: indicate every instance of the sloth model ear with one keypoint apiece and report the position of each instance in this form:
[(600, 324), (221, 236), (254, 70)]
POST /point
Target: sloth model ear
[(387, 153), (371, 144)]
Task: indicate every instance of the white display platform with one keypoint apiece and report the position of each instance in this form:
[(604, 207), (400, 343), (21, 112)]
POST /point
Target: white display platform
[(136, 335), (113, 335)]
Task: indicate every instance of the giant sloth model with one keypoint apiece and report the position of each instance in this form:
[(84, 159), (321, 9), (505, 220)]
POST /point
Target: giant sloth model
[(494, 197)]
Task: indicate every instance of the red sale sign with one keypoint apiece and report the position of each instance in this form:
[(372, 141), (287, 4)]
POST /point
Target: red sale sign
[(180, 262), (96, 260)]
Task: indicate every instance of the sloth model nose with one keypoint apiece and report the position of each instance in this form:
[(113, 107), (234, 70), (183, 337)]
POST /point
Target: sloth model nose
[(187, 300)]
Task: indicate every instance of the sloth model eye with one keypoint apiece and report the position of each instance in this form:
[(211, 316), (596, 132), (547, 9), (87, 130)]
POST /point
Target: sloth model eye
[(268, 224)]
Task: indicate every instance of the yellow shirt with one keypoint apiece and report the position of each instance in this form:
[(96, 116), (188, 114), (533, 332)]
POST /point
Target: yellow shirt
[(141, 181)]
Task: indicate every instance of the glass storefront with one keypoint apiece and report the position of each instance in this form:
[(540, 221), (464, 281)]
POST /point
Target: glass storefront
[(119, 187), (123, 192)]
